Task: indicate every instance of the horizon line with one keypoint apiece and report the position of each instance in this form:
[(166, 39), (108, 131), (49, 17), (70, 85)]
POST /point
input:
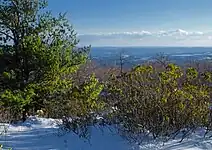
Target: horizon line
[(151, 46)]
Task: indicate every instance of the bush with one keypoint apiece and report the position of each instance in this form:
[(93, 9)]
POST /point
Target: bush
[(159, 103)]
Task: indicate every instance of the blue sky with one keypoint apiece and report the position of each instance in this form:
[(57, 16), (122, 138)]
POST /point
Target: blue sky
[(139, 22)]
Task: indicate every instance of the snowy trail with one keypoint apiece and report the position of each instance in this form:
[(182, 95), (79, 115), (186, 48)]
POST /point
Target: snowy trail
[(42, 134)]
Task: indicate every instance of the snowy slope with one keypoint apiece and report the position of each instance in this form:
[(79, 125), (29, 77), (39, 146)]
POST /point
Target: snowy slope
[(42, 134)]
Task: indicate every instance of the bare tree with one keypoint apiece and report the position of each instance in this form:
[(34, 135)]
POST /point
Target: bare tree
[(162, 59)]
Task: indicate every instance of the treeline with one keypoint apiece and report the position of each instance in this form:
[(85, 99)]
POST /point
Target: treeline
[(43, 70)]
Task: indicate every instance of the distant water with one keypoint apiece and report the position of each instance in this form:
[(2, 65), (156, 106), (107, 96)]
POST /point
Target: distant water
[(134, 55), (144, 51)]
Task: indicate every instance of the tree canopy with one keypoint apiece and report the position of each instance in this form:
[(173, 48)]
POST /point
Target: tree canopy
[(39, 55)]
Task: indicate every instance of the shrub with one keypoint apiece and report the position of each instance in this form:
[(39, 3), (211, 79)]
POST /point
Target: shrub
[(159, 103)]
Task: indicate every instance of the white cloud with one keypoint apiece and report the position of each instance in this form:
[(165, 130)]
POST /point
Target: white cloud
[(177, 37)]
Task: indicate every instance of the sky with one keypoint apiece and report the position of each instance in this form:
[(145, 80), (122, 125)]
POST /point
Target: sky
[(139, 22)]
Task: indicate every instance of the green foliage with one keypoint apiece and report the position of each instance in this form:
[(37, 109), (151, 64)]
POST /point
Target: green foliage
[(41, 57), (76, 100), (161, 102), (17, 98), (191, 73)]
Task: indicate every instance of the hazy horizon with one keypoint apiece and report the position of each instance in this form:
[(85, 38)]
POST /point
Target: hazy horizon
[(151, 46), (184, 23)]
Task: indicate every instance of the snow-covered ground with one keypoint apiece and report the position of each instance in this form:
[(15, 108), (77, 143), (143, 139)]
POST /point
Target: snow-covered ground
[(43, 134)]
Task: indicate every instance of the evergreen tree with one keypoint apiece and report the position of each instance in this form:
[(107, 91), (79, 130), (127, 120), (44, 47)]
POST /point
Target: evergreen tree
[(38, 57)]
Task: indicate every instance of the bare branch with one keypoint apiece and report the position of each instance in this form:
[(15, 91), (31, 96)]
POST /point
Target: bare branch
[(1, 32)]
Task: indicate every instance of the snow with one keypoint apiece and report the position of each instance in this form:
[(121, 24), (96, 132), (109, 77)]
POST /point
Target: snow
[(43, 134)]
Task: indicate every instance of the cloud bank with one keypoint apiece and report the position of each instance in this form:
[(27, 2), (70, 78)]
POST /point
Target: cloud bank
[(177, 37)]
